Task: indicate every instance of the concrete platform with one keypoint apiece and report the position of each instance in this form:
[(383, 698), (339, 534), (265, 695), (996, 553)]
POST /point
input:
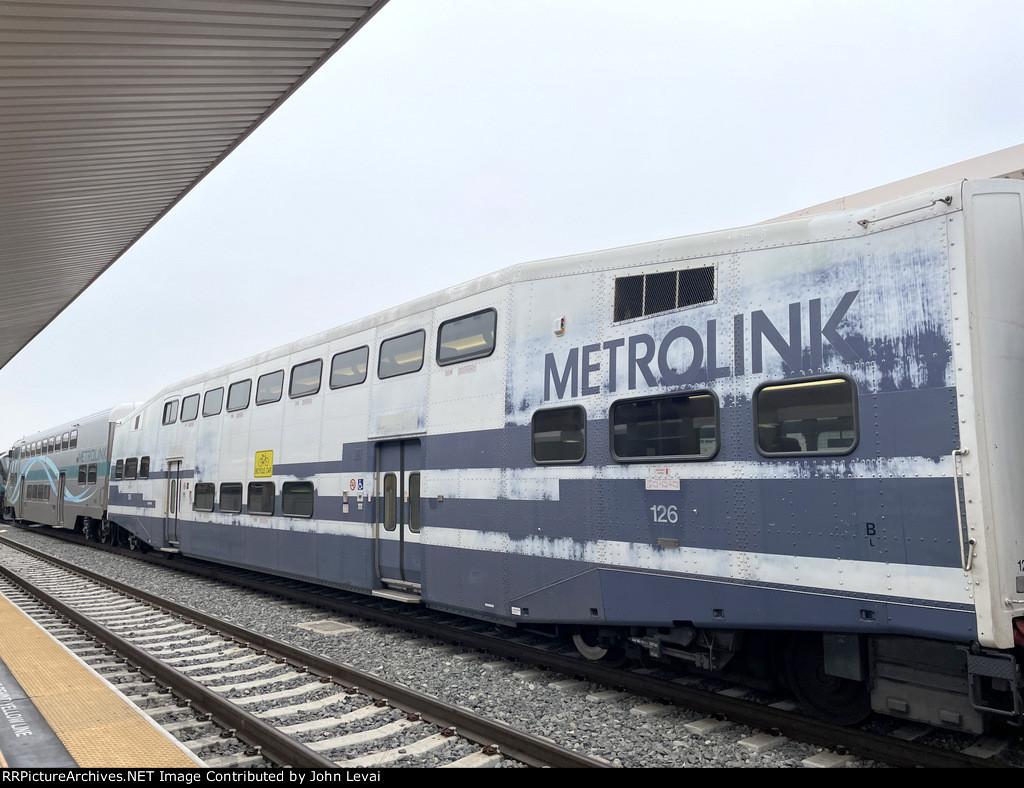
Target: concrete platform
[(56, 711)]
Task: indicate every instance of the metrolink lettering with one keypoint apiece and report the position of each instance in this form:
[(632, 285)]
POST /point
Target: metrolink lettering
[(649, 362)]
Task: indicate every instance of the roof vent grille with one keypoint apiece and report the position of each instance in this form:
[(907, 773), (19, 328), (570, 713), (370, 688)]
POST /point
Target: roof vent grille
[(649, 294)]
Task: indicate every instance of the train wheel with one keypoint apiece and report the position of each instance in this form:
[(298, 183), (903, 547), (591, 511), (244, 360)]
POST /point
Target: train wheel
[(829, 698), (136, 544), (91, 529), (588, 644)]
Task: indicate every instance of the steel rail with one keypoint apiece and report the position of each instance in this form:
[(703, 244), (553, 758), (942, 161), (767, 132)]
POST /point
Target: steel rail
[(864, 744), (518, 745), (275, 745)]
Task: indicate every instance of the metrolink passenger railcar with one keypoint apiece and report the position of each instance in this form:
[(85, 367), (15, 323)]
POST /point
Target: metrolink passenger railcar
[(59, 477), (790, 451)]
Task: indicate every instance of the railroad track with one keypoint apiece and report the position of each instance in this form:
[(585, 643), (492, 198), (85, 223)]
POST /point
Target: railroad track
[(286, 706), (888, 743)]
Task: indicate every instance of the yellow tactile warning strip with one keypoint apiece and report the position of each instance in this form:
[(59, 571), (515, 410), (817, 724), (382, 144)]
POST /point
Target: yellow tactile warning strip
[(97, 725)]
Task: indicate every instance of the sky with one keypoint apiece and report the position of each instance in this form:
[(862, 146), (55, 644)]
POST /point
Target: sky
[(452, 138)]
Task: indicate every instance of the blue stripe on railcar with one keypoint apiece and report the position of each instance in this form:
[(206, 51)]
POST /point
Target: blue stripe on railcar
[(548, 590)]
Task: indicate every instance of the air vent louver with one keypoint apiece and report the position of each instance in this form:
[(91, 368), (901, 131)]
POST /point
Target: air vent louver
[(649, 294)]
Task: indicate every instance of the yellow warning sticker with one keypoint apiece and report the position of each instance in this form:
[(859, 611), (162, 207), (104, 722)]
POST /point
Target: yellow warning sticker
[(264, 464)]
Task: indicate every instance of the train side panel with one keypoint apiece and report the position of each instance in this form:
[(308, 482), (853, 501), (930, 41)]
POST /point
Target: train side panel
[(828, 539), (805, 426), (858, 540)]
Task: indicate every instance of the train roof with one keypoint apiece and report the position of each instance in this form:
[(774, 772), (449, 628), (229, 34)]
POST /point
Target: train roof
[(113, 414), (773, 233)]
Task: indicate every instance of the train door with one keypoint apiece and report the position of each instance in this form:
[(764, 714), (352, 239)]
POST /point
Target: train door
[(19, 514), (61, 485), (398, 514), (171, 506)]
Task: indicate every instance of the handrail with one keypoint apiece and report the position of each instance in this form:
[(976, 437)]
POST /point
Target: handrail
[(966, 560)]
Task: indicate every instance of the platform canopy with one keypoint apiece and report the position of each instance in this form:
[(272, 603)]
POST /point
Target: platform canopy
[(111, 111)]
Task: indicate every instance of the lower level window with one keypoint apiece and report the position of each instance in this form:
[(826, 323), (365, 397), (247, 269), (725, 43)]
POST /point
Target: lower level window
[(673, 427), (297, 499), (261, 497), (231, 497), (204, 495), (560, 435), (815, 416)]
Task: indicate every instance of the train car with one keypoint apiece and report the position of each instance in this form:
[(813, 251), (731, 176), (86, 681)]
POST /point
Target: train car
[(5, 467), (787, 451), (59, 477)]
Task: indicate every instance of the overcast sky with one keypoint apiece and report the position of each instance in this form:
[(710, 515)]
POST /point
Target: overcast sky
[(452, 138)]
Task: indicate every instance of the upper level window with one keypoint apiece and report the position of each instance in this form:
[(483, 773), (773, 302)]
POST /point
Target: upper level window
[(560, 435), (466, 338), (673, 427), (811, 416), (305, 378), (269, 387), (144, 468), (238, 395), (349, 368), (65, 440), (171, 411), (131, 467), (74, 440), (119, 469), (213, 401), (190, 407), (401, 355)]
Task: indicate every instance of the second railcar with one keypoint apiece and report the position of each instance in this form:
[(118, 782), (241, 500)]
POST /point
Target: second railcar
[(58, 477)]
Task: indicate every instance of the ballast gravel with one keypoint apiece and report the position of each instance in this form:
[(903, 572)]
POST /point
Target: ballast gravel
[(614, 726)]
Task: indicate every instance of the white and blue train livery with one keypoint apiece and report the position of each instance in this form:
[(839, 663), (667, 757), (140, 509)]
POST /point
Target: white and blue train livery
[(789, 451), (60, 477)]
